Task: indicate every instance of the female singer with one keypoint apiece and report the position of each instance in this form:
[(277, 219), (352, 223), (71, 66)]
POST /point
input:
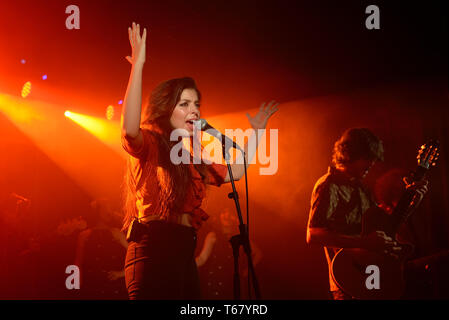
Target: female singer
[(163, 199)]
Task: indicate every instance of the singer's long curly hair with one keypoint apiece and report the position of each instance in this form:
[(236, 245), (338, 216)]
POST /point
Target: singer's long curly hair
[(156, 114)]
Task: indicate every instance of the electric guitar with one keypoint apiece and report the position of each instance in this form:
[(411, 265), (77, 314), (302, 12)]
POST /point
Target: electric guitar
[(369, 275)]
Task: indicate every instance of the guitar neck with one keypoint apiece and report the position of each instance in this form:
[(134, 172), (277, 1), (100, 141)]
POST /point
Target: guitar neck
[(403, 210)]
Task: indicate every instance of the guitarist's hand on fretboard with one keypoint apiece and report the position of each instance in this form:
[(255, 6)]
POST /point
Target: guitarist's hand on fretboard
[(419, 187)]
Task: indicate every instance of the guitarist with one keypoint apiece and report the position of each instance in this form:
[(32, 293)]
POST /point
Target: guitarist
[(339, 200)]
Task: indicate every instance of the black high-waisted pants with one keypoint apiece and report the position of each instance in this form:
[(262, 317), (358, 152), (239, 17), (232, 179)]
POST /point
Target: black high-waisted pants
[(161, 264)]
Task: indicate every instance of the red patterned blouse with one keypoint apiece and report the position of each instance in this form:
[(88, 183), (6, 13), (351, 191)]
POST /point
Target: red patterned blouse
[(146, 167)]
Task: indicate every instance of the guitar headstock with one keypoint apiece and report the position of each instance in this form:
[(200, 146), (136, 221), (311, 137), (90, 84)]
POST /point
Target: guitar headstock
[(428, 154)]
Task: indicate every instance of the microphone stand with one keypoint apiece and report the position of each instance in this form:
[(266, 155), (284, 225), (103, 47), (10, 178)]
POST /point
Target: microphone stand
[(241, 239)]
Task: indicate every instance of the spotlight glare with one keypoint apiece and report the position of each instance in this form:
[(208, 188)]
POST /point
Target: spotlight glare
[(26, 89), (106, 131), (44, 77), (67, 113), (109, 112)]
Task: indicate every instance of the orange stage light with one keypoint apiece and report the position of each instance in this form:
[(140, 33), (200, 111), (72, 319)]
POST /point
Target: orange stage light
[(109, 112), (17, 110), (26, 89), (107, 131), (92, 157)]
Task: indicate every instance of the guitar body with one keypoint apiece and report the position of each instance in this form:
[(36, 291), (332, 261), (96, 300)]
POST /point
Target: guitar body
[(350, 268), (350, 271)]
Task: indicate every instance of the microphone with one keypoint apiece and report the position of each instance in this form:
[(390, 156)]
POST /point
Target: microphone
[(202, 125)]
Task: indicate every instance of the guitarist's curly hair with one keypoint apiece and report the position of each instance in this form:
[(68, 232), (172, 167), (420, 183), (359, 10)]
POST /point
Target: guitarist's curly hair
[(355, 144)]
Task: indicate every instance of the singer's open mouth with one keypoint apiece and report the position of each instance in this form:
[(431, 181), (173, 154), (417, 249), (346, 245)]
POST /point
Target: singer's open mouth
[(189, 124)]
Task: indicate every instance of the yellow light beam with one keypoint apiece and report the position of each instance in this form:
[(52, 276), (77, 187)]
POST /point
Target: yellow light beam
[(19, 110), (87, 156), (107, 131)]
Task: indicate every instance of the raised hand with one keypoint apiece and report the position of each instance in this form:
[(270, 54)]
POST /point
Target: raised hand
[(259, 121), (137, 44)]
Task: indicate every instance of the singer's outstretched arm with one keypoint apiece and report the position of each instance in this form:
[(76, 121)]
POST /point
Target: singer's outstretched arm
[(258, 122), (132, 104)]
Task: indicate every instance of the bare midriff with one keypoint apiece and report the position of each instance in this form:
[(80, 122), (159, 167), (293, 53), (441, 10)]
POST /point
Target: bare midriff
[(184, 219)]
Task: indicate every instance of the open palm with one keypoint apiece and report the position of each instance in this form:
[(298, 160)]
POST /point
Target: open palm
[(137, 44), (259, 121)]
